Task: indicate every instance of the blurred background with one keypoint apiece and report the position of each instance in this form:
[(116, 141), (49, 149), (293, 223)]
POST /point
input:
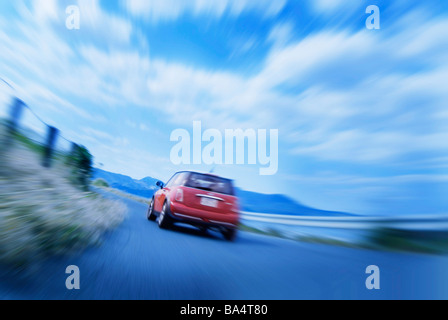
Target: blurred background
[(90, 92)]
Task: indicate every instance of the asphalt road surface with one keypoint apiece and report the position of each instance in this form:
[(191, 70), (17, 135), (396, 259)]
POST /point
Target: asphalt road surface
[(140, 261)]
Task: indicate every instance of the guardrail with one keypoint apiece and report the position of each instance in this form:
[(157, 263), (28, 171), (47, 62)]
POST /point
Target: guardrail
[(402, 232), (421, 222), (20, 121)]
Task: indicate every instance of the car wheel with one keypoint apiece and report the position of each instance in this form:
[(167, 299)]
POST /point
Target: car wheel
[(150, 213), (165, 221), (229, 234)]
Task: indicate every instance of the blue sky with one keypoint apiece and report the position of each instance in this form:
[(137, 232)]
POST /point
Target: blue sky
[(361, 114)]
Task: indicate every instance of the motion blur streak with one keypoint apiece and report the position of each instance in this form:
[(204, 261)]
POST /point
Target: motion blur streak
[(140, 261)]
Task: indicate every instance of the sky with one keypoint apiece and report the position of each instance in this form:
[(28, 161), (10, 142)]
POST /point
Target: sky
[(361, 114)]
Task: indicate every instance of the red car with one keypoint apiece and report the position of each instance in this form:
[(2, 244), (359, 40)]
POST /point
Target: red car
[(202, 200)]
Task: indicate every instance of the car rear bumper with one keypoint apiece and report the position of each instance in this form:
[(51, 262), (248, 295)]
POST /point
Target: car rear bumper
[(199, 217)]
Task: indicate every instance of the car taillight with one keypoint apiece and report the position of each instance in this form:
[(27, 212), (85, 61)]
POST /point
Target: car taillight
[(179, 195)]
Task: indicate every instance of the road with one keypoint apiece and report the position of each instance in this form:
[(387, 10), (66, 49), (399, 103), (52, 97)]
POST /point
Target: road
[(140, 261)]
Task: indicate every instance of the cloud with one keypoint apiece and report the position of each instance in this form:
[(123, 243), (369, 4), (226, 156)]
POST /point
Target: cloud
[(96, 25), (281, 34), (101, 26), (140, 126), (373, 147), (331, 178), (46, 10), (37, 48), (154, 10), (363, 97), (332, 6), (336, 96)]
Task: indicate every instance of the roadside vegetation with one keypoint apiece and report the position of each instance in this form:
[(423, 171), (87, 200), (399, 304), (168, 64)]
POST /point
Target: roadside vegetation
[(384, 239), (100, 184), (420, 241), (47, 212)]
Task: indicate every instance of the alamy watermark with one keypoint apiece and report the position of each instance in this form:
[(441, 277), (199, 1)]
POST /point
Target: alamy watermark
[(73, 20), (73, 281), (230, 147), (373, 22), (373, 280)]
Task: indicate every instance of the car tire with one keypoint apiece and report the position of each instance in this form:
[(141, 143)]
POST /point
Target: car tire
[(150, 213), (229, 234), (165, 221)]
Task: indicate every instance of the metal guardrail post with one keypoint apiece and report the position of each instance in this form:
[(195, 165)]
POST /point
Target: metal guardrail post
[(15, 114), (12, 124), (52, 134)]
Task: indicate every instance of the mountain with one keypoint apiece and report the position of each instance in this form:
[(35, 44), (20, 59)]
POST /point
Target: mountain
[(249, 201), (149, 181), (143, 188), (279, 204)]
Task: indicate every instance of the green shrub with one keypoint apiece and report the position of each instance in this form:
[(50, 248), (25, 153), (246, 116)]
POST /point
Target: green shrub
[(100, 183), (81, 162)]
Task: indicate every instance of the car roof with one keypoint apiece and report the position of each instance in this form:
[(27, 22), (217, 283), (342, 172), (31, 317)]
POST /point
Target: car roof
[(203, 173)]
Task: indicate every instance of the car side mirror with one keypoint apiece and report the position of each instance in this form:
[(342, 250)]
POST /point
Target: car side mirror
[(160, 184)]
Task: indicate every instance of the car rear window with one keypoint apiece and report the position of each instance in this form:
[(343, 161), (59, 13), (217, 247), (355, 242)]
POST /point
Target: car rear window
[(210, 183)]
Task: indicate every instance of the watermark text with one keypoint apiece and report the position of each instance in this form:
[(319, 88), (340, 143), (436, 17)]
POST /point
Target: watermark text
[(230, 147)]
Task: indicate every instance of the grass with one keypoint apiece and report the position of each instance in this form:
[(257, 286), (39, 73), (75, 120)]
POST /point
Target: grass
[(42, 213), (30, 144), (124, 194)]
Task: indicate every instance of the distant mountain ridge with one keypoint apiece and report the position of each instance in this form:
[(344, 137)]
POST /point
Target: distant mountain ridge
[(249, 201), (280, 204), (143, 188)]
